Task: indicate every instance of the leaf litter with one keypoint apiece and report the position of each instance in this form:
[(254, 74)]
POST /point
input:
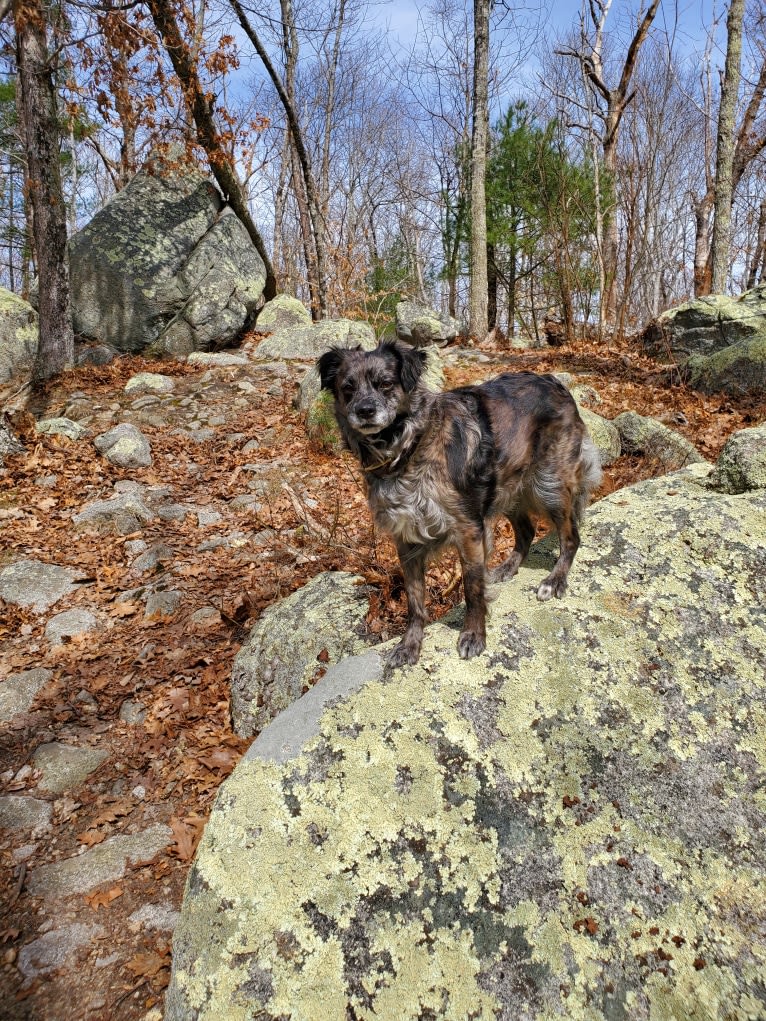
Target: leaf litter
[(307, 514)]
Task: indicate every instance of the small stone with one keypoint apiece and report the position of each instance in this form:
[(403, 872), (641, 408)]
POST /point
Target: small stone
[(132, 712), (47, 481), (69, 624), (153, 381), (155, 916), (18, 691), (133, 547), (208, 516), (158, 553), (35, 584), (162, 604), (60, 427), (24, 813), (125, 446), (55, 949), (139, 792), (104, 863), (23, 853), (222, 359), (65, 767)]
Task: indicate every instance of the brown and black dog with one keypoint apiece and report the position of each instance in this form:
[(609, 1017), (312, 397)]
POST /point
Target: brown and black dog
[(440, 467)]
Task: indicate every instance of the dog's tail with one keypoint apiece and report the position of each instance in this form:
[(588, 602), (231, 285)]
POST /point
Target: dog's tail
[(590, 474)]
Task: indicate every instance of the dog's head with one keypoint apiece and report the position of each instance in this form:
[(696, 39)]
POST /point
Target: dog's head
[(372, 388)]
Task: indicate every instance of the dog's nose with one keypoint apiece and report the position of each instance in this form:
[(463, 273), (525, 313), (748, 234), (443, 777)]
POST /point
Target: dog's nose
[(365, 409)]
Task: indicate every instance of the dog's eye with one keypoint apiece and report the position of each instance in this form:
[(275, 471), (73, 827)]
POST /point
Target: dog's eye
[(347, 389), (386, 386)]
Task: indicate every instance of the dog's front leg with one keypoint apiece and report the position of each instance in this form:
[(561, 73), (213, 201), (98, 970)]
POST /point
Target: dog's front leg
[(413, 560), (471, 548)]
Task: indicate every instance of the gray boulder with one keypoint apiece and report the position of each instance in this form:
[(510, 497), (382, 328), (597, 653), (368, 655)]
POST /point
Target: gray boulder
[(647, 436), (281, 312), (741, 466), (125, 446), (419, 325), (293, 643), (164, 266), (308, 342), (36, 584), (18, 335), (125, 512), (737, 369), (705, 325), (570, 825), (61, 427), (150, 383)]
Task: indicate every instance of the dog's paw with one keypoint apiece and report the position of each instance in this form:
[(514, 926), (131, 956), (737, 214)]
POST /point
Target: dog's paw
[(548, 589), (470, 644), (507, 570), (405, 654)]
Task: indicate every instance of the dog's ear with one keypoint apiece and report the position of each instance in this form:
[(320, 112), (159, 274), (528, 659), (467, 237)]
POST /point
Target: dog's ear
[(412, 363), (328, 366)]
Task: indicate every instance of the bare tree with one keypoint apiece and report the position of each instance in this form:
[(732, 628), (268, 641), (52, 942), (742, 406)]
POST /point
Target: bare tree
[(478, 304), (200, 104), (725, 148), (611, 105), (39, 115)]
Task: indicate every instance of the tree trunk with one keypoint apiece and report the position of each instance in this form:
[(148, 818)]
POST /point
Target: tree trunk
[(491, 287), (200, 106), (724, 158), (756, 258), (304, 162), (477, 303), (55, 350)]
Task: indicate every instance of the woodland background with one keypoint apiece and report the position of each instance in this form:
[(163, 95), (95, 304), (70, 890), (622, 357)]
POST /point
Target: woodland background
[(515, 175)]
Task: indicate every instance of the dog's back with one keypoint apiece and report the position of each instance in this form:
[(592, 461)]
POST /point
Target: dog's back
[(545, 461)]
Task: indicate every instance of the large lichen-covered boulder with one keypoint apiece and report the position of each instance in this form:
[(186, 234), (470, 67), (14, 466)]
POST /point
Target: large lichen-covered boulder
[(18, 335), (291, 645), (419, 325), (737, 369), (164, 266), (706, 325), (642, 435), (570, 825), (307, 342)]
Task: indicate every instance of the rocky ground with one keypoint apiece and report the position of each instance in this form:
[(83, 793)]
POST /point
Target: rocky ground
[(127, 592)]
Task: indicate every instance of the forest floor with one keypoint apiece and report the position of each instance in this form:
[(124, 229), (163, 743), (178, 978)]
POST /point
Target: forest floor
[(166, 768)]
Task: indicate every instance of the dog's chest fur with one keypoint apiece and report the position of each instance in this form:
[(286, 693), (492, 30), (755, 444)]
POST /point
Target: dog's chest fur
[(405, 507)]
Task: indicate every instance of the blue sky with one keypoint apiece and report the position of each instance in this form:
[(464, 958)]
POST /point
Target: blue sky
[(691, 16)]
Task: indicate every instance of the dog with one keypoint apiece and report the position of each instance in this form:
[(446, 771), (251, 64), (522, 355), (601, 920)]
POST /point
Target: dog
[(440, 467)]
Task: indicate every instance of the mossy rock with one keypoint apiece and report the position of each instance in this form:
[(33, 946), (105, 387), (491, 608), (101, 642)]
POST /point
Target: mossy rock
[(737, 369), (652, 439), (570, 825)]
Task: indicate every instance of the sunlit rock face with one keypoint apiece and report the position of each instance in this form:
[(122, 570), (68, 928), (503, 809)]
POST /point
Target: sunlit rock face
[(570, 825), (164, 266)]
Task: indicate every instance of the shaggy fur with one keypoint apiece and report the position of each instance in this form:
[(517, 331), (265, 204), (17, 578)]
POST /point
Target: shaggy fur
[(440, 467)]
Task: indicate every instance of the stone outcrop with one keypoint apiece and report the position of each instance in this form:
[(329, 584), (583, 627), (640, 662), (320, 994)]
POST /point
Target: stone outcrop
[(18, 335), (647, 436), (282, 312), (719, 341), (421, 326), (307, 342), (569, 825), (164, 266), (290, 647), (742, 464)]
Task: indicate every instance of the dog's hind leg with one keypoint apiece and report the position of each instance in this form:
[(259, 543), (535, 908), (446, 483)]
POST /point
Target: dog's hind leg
[(569, 540), (523, 534), (471, 548), (413, 560)]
